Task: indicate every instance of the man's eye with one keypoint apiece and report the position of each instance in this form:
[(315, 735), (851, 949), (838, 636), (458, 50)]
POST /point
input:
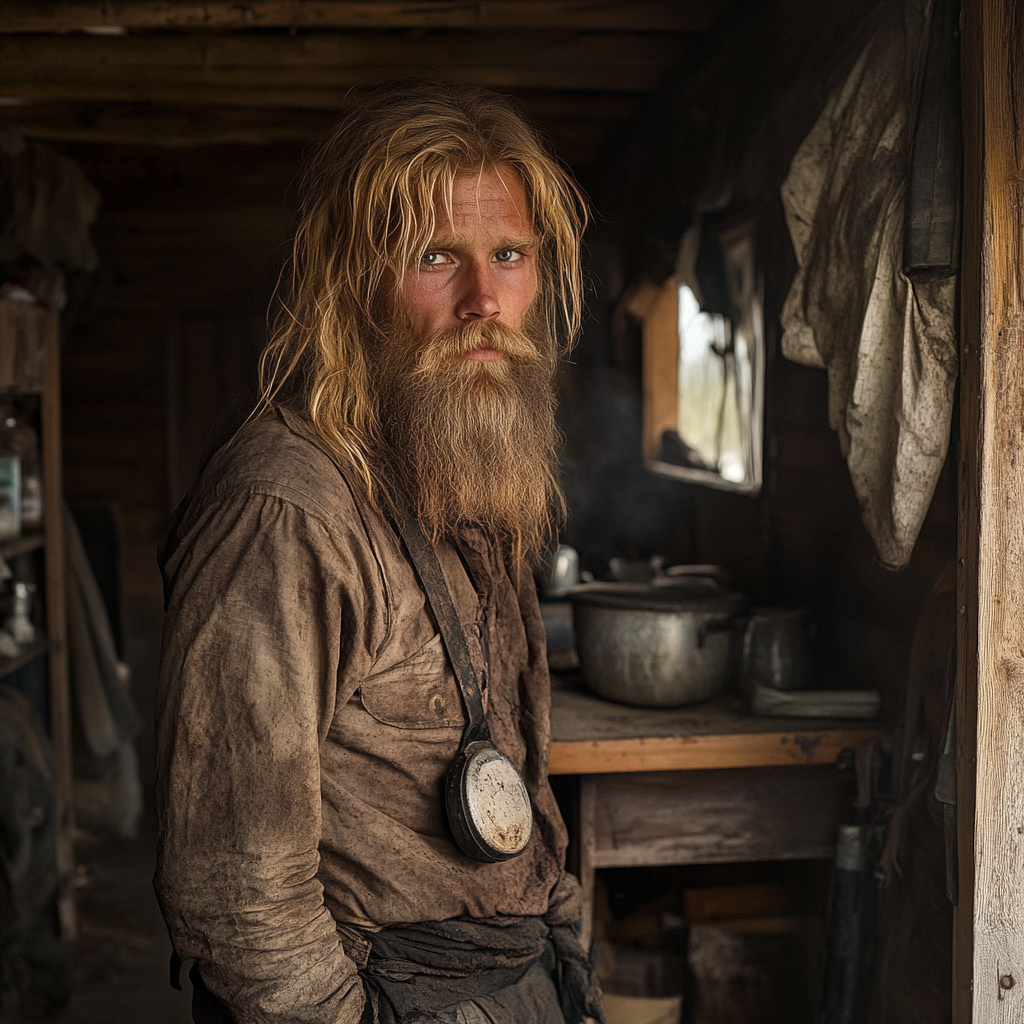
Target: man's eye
[(508, 255), (432, 259)]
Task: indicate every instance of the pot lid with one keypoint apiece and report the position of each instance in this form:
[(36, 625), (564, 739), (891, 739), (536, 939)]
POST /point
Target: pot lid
[(673, 594)]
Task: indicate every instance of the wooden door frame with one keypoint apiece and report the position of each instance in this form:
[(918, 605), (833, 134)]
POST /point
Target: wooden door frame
[(988, 942)]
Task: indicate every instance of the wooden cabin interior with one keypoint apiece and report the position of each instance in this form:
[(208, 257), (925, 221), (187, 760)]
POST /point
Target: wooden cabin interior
[(191, 120)]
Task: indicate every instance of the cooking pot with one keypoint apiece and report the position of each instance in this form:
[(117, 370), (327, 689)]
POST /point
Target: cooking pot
[(657, 645)]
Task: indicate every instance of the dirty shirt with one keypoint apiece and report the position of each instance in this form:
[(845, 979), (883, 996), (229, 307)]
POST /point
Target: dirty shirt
[(306, 717)]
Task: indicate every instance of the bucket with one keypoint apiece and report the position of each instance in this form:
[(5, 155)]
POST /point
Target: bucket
[(642, 1009)]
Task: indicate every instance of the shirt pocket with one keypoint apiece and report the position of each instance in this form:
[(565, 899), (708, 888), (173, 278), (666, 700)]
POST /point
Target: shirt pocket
[(418, 693)]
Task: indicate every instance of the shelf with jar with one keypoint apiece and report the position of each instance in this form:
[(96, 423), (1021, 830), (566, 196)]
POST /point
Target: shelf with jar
[(33, 617), (21, 532)]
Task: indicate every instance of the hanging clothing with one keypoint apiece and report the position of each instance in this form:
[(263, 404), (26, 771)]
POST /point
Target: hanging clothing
[(888, 342)]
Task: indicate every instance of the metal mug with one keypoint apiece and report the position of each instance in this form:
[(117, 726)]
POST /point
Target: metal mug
[(776, 649), (563, 571)]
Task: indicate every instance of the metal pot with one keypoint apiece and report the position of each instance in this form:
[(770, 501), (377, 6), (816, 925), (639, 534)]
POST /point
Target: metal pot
[(656, 645)]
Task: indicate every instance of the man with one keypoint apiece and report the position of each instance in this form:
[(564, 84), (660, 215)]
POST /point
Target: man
[(308, 712)]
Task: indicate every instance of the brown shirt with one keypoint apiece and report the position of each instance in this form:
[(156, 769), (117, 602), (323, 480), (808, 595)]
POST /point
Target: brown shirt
[(306, 718)]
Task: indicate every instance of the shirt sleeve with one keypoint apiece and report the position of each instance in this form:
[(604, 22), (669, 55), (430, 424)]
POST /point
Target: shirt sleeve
[(248, 684)]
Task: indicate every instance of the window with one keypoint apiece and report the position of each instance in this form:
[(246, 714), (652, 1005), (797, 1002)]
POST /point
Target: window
[(704, 368)]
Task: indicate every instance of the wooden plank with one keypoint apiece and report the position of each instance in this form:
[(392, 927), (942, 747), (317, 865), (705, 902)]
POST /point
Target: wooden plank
[(688, 753), (243, 58), (56, 628), (577, 141), (988, 937), (590, 735), (317, 72), (170, 127), (323, 88), (580, 715), (638, 15), (973, 233), (576, 123), (586, 837), (249, 89), (712, 817), (661, 368)]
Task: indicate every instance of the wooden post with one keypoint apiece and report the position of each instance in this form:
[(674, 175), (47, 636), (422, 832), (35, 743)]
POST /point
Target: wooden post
[(989, 923), (586, 839), (56, 627)]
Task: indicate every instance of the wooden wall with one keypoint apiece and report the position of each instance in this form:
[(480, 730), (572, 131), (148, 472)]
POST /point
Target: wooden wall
[(191, 242)]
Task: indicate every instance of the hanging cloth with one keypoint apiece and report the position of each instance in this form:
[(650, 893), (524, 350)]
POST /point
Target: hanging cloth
[(887, 342)]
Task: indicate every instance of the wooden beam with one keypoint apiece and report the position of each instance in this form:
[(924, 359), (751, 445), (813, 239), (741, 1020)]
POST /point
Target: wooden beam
[(576, 140), (22, 16), (172, 127), (165, 125), (694, 753), (988, 937), (336, 97), (317, 71)]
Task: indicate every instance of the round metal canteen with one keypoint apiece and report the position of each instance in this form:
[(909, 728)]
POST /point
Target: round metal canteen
[(487, 803)]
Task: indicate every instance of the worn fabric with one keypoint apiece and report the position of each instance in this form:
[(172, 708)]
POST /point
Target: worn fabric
[(46, 209), (501, 970), (888, 343), (306, 716), (432, 970)]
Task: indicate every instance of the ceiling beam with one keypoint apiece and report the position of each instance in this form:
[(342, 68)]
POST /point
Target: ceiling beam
[(165, 126), (328, 50), (316, 71), (24, 16), (576, 139)]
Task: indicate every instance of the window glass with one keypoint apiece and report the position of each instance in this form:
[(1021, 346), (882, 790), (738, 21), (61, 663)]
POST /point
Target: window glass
[(711, 432)]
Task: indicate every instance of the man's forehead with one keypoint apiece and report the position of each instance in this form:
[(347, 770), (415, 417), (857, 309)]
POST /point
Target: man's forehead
[(490, 194)]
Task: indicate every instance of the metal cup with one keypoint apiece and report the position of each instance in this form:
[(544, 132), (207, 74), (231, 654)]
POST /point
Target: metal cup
[(775, 649)]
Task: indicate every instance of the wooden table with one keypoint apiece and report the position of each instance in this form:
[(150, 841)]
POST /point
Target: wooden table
[(757, 788)]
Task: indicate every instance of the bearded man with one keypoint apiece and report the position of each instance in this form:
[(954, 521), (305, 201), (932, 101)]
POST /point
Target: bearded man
[(310, 861)]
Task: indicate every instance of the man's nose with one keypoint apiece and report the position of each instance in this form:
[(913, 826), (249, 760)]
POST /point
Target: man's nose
[(478, 299)]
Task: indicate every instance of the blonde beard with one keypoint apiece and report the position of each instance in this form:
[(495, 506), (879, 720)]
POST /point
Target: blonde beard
[(472, 442)]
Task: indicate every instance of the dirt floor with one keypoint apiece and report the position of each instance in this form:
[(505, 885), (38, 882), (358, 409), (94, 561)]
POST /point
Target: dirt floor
[(120, 957)]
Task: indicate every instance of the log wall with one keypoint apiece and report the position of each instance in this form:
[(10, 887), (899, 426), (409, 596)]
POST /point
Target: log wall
[(191, 241)]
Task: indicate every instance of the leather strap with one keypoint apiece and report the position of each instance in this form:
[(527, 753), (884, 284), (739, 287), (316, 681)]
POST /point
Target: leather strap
[(428, 569)]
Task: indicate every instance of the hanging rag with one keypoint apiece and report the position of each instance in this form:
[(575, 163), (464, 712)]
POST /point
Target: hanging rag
[(47, 206), (887, 341)]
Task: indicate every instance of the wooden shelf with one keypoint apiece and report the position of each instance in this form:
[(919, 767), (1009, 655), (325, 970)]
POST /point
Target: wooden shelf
[(594, 736), (21, 545), (31, 653)]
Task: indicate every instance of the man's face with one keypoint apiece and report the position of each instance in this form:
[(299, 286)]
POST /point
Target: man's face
[(481, 266)]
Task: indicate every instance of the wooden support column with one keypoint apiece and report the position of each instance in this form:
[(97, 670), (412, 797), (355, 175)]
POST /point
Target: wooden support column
[(989, 923), (56, 628)]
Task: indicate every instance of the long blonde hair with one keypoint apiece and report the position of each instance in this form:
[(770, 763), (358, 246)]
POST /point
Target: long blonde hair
[(368, 214)]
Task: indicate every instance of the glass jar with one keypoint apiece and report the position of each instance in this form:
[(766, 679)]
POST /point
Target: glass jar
[(19, 440)]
